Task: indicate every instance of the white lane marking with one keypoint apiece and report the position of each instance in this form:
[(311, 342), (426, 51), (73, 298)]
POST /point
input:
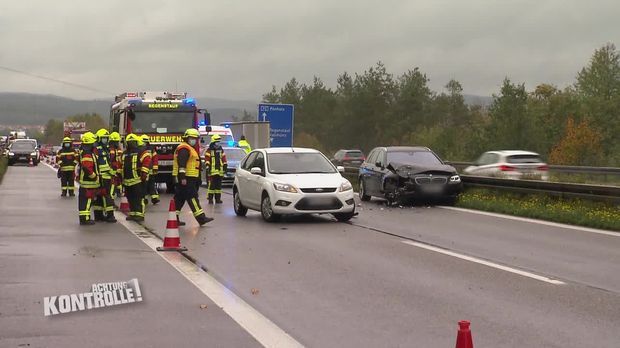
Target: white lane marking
[(484, 262), (260, 327), (535, 221)]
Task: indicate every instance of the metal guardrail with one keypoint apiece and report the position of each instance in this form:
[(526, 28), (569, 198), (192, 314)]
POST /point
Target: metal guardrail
[(602, 193), (562, 169), (591, 192)]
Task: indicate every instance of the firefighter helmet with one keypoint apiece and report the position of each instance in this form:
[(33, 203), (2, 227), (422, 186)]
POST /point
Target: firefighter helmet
[(66, 140), (88, 138), (146, 139), (102, 133), (191, 132), (216, 137), (132, 137), (114, 136)]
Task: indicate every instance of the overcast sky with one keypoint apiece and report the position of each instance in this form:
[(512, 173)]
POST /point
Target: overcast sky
[(238, 49)]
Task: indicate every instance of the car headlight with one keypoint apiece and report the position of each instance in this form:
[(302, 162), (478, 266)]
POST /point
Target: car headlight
[(33, 154), (284, 187), (11, 154), (346, 186), (455, 179)]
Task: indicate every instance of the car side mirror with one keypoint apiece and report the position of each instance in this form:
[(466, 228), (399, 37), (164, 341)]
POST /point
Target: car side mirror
[(379, 164), (256, 171), (340, 169)]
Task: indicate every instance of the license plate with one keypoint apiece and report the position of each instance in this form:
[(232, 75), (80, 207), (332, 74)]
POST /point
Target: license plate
[(432, 188), (22, 157), (165, 163), (356, 162)]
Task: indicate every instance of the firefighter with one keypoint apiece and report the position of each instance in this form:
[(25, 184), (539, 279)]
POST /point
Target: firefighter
[(104, 205), (88, 178), (116, 156), (216, 165), (135, 171), (244, 145), (186, 172), (151, 186), (67, 159)]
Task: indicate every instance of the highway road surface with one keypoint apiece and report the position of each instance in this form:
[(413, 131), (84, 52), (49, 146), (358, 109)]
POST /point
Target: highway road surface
[(391, 278)]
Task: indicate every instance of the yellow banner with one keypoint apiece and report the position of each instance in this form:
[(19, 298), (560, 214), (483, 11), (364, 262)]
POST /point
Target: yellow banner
[(163, 106)]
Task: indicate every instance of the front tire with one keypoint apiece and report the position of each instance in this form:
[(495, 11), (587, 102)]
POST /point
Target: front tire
[(266, 209), (362, 191), (240, 209), (344, 217)]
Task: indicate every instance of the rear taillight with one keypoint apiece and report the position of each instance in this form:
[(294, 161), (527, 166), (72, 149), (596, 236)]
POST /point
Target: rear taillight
[(346, 158), (543, 168), (505, 168)]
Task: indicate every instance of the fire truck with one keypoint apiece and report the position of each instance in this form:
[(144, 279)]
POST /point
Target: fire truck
[(163, 116)]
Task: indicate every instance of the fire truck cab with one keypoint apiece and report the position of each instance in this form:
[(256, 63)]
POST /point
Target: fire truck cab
[(163, 116)]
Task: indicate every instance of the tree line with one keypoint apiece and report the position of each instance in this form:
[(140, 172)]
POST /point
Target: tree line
[(575, 125)]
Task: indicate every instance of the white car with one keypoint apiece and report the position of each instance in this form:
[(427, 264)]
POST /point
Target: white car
[(514, 164), (279, 181)]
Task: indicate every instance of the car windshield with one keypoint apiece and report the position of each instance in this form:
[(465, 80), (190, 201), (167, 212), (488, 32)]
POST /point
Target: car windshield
[(298, 163), (234, 154), (23, 145), (523, 159), (227, 140), (413, 157), (354, 154), (162, 122)]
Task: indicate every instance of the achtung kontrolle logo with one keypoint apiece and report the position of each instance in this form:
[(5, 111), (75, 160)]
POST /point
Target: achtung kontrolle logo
[(101, 295)]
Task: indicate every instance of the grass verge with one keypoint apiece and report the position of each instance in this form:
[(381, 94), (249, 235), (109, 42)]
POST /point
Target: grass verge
[(4, 163), (574, 211)]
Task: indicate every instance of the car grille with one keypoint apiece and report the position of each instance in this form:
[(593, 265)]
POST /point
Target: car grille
[(426, 180), (318, 190), (313, 203)]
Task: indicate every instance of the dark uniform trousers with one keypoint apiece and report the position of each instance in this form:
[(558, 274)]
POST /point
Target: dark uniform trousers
[(188, 193)]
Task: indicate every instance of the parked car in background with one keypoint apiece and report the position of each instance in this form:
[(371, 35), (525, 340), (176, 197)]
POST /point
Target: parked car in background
[(234, 155), (23, 150), (279, 181), (401, 174), (348, 158), (514, 164)]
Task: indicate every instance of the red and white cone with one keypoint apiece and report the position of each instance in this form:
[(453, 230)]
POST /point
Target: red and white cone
[(124, 205), (30, 164), (172, 241)]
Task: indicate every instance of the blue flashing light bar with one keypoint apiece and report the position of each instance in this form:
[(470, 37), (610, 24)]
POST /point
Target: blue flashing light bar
[(189, 101), (227, 125), (231, 143)]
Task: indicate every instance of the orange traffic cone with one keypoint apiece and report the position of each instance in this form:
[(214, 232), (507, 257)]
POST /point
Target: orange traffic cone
[(124, 204), (463, 337), (172, 241)]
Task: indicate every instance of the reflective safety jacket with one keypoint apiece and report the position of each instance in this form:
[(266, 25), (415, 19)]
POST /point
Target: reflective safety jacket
[(88, 177), (67, 159), (103, 161), (135, 167), (152, 153), (185, 161), (245, 146), (116, 158), (215, 159)]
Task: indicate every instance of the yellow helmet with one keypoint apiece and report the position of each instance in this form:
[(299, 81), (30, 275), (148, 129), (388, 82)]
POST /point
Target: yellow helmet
[(132, 137), (114, 136), (88, 138), (102, 133), (66, 140), (216, 137), (146, 138), (191, 132)]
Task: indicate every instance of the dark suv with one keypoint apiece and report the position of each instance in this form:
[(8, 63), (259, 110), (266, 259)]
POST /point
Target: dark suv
[(403, 173), (348, 158)]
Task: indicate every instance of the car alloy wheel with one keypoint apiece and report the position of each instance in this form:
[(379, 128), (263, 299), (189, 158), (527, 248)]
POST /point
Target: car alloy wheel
[(240, 210), (267, 210)]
